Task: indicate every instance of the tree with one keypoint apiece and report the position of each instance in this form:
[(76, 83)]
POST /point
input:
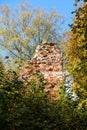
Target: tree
[(24, 28), (76, 53), (27, 106), (10, 99), (80, 0)]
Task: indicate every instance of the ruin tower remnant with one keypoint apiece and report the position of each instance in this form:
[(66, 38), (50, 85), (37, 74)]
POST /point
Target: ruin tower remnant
[(47, 60)]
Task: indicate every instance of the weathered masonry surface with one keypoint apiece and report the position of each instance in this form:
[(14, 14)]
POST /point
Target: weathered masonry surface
[(47, 60)]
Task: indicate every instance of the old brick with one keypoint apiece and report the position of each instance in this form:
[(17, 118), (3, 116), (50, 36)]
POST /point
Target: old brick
[(47, 59)]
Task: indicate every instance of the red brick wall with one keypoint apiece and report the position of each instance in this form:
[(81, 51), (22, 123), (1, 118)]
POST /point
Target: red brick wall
[(47, 60)]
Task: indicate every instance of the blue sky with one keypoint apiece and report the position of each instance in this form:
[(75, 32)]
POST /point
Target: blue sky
[(64, 7)]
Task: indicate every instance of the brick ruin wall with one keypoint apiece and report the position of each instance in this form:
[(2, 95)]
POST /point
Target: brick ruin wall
[(47, 60)]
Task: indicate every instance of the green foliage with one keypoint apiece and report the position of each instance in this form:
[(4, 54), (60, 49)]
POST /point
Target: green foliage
[(10, 99), (76, 54), (28, 107)]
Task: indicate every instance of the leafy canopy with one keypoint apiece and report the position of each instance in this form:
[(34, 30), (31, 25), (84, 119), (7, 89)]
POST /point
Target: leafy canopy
[(76, 53), (22, 29)]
